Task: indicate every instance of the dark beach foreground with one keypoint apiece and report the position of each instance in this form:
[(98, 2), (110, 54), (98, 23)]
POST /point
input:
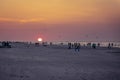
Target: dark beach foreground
[(59, 63)]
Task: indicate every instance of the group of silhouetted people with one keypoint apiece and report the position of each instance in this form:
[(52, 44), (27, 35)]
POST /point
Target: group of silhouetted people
[(76, 46), (110, 45), (5, 45)]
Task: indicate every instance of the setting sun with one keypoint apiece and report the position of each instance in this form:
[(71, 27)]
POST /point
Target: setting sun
[(40, 39)]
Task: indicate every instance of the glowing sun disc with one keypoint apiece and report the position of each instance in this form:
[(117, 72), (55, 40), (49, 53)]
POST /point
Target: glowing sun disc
[(40, 39)]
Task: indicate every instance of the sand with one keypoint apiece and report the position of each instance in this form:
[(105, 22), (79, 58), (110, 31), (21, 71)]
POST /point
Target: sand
[(59, 63)]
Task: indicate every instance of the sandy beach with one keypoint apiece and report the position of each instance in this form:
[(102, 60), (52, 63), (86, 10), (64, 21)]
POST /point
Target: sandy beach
[(59, 63)]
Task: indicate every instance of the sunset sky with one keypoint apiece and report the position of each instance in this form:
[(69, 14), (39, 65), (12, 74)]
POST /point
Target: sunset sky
[(60, 20)]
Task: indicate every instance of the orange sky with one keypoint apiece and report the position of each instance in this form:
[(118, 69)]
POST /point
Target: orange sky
[(90, 12), (57, 10)]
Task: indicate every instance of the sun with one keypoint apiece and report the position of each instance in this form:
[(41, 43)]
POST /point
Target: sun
[(40, 39)]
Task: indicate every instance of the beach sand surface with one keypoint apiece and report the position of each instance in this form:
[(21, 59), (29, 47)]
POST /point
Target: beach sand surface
[(59, 63)]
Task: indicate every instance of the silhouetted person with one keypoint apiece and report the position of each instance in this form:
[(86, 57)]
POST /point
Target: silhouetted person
[(72, 45), (69, 45), (94, 46), (77, 46), (37, 44), (6, 45), (51, 43), (109, 46), (3, 44), (112, 44), (98, 44)]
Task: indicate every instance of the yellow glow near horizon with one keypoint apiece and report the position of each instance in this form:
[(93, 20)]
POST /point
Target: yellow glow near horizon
[(56, 10)]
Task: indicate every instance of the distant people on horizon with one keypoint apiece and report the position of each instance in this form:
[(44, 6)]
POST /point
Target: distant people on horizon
[(5, 45)]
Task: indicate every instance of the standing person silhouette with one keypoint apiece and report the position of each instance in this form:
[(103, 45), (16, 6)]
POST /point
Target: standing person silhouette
[(94, 46), (109, 46), (77, 46), (69, 45)]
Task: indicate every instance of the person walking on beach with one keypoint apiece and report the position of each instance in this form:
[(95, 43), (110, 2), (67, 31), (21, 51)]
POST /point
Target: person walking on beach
[(77, 46)]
